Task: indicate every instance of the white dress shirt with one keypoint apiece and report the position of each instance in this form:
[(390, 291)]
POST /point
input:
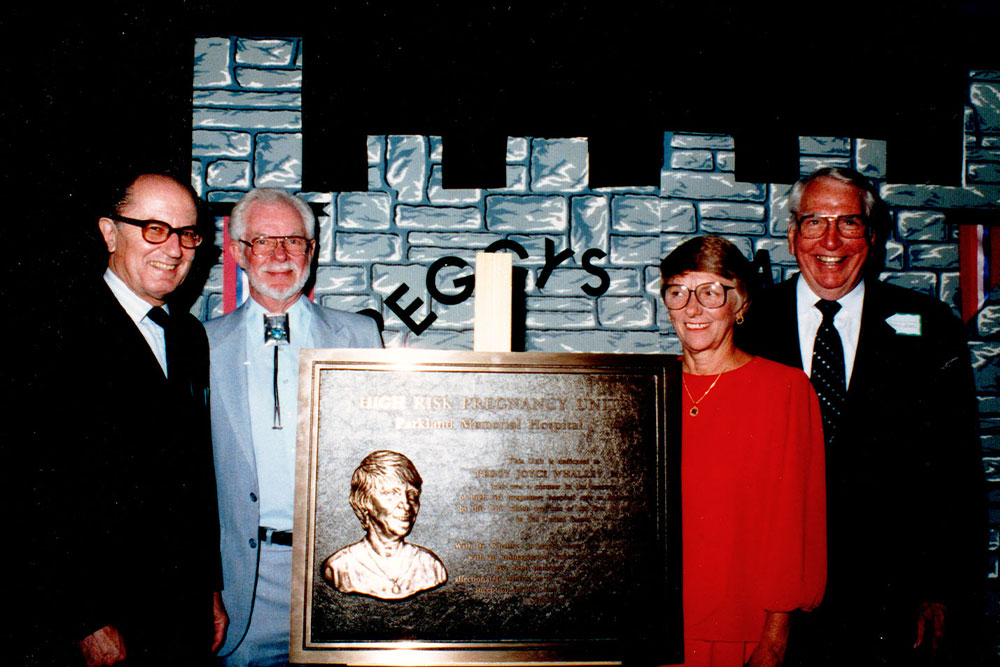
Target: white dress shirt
[(137, 309), (847, 321)]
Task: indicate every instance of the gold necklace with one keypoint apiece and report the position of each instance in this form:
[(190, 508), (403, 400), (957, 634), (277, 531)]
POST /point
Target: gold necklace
[(694, 408)]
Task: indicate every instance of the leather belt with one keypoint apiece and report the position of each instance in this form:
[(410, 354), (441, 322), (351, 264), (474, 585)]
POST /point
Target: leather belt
[(280, 537)]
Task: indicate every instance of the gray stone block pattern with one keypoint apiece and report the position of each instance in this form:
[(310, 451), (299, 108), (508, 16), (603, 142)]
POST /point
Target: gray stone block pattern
[(369, 211), (212, 62), (265, 52), (208, 143), (429, 217), (363, 248), (810, 163), (985, 98), (825, 146), (634, 250), (870, 157), (679, 217), (626, 312), (921, 226), (937, 196), (590, 220), (986, 365), (406, 167), (636, 214), (228, 175), (936, 256), (558, 165), (252, 77), (984, 173), (242, 99), (710, 141), (531, 213), (988, 325), (695, 160), (923, 281), (690, 185)]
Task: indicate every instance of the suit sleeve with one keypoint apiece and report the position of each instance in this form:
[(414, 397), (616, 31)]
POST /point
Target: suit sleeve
[(950, 469)]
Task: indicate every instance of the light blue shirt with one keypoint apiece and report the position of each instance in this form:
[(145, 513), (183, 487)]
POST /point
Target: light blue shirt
[(138, 309), (275, 449)]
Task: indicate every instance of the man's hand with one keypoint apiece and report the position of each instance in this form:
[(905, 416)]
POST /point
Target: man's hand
[(770, 652), (930, 626), (220, 621), (103, 648)]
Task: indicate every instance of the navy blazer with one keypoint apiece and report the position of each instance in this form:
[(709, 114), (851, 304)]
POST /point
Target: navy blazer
[(131, 506), (904, 476)]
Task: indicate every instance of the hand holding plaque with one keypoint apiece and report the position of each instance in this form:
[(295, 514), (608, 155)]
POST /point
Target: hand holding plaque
[(385, 496)]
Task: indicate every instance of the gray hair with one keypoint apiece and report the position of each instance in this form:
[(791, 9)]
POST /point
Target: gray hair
[(238, 218), (870, 200)]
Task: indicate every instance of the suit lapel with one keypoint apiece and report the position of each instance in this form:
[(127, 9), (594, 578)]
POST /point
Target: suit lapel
[(868, 359), (131, 343), (231, 353), (326, 331)]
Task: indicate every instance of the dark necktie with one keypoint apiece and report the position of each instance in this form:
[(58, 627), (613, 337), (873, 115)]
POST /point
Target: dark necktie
[(160, 317), (175, 371), (828, 370)]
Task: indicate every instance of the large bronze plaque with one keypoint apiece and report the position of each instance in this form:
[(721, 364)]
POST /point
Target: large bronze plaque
[(548, 526)]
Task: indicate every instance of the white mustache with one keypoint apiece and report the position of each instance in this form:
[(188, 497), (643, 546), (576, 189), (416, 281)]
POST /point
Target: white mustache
[(280, 266)]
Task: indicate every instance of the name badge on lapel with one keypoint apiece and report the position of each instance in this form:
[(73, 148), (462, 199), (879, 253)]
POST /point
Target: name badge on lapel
[(905, 324)]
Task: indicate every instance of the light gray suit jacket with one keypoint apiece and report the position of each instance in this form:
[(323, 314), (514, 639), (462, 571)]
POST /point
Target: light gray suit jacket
[(235, 467)]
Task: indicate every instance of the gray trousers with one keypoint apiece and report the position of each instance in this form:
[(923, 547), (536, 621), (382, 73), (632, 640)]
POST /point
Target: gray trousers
[(266, 642)]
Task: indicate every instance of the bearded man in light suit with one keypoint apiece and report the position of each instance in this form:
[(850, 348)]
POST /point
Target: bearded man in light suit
[(904, 478), (254, 414)]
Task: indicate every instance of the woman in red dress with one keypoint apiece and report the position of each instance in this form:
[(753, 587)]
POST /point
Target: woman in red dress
[(752, 470)]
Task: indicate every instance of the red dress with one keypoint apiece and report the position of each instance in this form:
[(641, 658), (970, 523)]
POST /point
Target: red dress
[(754, 506)]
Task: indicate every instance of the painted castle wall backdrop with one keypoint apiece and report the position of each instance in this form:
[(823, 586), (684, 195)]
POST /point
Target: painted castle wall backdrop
[(248, 133)]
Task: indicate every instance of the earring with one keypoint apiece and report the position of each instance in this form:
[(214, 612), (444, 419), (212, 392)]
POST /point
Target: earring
[(739, 319)]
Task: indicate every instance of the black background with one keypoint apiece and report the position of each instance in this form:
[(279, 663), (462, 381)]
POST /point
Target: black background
[(91, 93)]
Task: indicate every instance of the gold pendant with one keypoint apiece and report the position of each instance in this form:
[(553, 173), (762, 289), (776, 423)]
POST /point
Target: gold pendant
[(694, 411)]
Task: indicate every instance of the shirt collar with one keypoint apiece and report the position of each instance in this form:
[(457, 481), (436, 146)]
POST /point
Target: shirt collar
[(299, 319), (134, 305), (850, 303)]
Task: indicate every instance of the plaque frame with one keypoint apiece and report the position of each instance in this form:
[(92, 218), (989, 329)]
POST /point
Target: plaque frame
[(649, 641)]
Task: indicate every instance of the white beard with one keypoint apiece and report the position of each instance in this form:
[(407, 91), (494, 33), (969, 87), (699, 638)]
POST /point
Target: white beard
[(279, 294)]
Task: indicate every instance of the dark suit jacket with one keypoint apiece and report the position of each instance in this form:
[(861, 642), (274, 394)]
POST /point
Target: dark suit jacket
[(129, 504), (904, 476)]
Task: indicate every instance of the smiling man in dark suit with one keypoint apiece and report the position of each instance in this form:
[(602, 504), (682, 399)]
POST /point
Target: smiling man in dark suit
[(132, 513), (892, 372)]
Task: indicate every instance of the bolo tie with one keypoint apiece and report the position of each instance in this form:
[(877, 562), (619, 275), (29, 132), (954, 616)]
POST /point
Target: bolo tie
[(276, 334)]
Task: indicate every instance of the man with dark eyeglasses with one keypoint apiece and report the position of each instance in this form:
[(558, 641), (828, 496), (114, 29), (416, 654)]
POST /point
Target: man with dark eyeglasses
[(254, 384), (904, 479), (130, 500)]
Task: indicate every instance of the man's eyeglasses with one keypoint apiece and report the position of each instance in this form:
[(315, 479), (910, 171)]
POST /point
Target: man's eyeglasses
[(815, 226), (156, 232), (263, 246), (710, 295)]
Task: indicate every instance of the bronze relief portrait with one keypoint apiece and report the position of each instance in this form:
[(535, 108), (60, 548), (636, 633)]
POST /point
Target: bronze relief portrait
[(385, 496)]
